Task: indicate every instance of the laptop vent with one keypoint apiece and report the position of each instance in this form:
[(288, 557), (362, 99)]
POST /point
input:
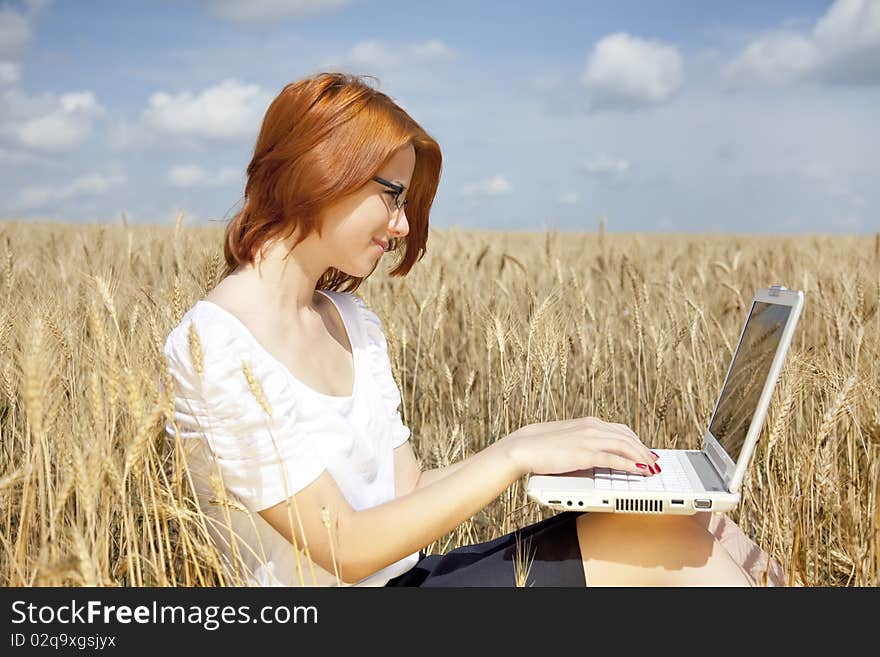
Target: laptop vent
[(635, 505)]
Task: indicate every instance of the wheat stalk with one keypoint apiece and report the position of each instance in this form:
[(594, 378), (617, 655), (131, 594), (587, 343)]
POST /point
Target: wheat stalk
[(256, 388), (34, 390), (134, 460), (325, 519), (522, 563), (11, 479), (87, 567), (60, 338), (195, 349)]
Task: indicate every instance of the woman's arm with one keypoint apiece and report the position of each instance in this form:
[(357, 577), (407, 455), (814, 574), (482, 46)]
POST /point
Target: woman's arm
[(430, 476), (367, 540), (408, 473), (376, 537)]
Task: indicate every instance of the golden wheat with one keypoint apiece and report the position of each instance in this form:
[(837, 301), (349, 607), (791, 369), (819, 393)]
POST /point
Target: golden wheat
[(585, 325)]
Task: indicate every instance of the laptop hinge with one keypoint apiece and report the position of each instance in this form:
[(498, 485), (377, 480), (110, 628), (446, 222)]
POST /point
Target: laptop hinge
[(706, 472), (715, 455)]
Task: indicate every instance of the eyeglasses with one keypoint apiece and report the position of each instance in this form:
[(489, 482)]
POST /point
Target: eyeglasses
[(396, 189)]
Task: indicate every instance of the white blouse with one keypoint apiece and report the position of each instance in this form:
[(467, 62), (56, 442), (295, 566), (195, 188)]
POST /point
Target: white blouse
[(263, 459)]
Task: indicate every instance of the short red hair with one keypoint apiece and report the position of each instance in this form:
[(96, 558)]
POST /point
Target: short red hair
[(322, 138)]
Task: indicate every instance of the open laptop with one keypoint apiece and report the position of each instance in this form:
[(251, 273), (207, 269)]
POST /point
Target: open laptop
[(708, 479)]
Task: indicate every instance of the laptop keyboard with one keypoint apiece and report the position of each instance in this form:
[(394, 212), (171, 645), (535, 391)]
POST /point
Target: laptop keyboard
[(672, 477)]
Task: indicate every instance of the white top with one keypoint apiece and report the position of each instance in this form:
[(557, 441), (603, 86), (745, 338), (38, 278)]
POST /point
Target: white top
[(225, 430)]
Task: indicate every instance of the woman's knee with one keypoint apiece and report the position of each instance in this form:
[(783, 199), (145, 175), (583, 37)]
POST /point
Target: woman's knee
[(748, 555)]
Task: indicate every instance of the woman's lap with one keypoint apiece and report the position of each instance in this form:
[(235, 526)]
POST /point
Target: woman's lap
[(548, 550), (553, 557)]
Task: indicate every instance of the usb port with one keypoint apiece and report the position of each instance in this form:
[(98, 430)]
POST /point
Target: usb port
[(677, 501), (554, 501), (702, 504)]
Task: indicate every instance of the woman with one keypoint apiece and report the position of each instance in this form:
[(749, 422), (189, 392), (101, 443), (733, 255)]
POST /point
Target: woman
[(288, 409)]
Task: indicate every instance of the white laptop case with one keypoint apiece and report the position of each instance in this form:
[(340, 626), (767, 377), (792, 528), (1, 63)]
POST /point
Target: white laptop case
[(708, 479)]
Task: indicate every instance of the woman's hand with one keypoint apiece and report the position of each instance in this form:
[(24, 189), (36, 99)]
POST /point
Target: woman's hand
[(580, 444)]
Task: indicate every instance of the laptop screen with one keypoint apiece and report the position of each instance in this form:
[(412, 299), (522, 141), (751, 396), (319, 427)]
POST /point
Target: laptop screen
[(748, 374)]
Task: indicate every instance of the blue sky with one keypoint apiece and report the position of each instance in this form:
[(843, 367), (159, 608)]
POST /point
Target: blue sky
[(674, 116)]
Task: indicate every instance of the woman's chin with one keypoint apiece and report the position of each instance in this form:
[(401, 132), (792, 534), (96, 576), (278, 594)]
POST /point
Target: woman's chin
[(363, 270)]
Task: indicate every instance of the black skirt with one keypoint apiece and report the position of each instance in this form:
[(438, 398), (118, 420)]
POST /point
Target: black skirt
[(550, 547)]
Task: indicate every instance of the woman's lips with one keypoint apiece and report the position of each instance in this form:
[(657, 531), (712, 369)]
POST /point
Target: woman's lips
[(380, 245)]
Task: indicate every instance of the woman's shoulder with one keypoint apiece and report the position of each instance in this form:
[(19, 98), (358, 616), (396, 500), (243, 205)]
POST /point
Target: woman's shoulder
[(211, 356), (367, 319), (222, 379), (201, 327)]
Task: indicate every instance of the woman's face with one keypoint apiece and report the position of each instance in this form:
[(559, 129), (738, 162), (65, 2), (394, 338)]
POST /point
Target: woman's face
[(354, 224)]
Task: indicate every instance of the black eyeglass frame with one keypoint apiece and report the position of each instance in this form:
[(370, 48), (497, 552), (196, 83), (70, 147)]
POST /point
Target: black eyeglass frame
[(397, 189)]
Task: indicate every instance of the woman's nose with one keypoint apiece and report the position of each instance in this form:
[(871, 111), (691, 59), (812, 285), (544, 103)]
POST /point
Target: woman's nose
[(399, 224)]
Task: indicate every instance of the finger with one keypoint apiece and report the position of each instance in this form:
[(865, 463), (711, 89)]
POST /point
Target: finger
[(626, 431), (617, 462), (621, 446), (621, 430)]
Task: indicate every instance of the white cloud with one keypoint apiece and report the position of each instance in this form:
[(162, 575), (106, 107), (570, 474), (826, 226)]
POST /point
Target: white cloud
[(15, 33), (268, 11), (843, 48), (192, 175), (569, 198), (432, 49), (124, 135), (88, 185), (393, 65), (10, 72), (228, 110), (25, 158), (374, 53), (370, 53), (625, 71), (775, 59), (495, 186), (47, 122), (604, 165)]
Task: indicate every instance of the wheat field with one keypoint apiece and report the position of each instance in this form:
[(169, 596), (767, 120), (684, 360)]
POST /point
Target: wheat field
[(489, 332)]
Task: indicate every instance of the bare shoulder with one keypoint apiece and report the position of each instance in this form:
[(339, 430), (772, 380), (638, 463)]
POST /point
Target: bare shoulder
[(228, 294), (241, 299)]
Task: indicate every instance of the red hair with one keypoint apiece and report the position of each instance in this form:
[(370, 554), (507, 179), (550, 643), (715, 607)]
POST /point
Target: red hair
[(322, 138)]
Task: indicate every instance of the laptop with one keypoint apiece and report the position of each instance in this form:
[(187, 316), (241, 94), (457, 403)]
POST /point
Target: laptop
[(707, 479)]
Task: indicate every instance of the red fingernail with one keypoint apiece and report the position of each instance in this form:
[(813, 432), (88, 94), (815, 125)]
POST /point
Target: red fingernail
[(641, 465), (658, 468), (655, 454)]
